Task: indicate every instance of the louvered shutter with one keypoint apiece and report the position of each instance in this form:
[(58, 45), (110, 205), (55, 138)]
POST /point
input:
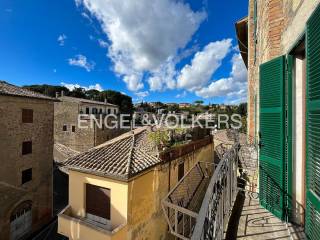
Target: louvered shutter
[(272, 131), (313, 127)]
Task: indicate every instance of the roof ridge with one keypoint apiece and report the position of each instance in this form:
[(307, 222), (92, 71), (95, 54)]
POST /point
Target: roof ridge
[(7, 88), (130, 154)]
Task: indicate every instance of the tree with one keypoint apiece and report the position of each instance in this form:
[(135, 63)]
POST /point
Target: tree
[(242, 109), (48, 90), (123, 101), (93, 94), (78, 93), (198, 102)]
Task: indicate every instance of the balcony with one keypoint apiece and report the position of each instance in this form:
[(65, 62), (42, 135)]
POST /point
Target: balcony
[(205, 194), (75, 227), (221, 201)]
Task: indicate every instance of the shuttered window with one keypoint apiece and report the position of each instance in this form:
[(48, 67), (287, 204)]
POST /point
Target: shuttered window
[(313, 127), (98, 201), (272, 136), (27, 116)]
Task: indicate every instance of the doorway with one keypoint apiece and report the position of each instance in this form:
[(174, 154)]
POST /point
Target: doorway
[(299, 133)]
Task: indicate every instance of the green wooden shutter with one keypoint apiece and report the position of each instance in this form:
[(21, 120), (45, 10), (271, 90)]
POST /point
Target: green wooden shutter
[(288, 151), (313, 127), (272, 136)]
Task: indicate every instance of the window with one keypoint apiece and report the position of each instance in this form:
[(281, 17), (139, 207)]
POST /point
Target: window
[(94, 111), (27, 116), (100, 110), (64, 128), (98, 203), (26, 147), (87, 110), (180, 171), (26, 176), (109, 111), (115, 111), (73, 128)]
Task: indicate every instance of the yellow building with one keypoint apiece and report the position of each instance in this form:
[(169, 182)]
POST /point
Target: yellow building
[(116, 189)]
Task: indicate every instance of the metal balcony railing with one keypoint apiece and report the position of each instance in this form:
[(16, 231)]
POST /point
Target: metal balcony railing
[(199, 206), (220, 196), (182, 204)]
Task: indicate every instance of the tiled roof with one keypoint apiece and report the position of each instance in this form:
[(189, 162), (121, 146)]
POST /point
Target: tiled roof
[(64, 151), (82, 100), (120, 158), (9, 89)]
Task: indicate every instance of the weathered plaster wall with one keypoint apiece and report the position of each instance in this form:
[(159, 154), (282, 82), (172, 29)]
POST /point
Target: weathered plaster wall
[(145, 214), (118, 193)]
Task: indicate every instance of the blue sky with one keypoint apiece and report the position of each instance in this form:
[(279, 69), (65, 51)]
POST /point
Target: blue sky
[(161, 50)]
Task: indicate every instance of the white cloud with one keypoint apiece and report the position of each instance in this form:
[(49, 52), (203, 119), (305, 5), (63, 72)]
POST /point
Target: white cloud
[(182, 95), (133, 82), (81, 61), (144, 34), (234, 88), (72, 86), (103, 43), (164, 77), (86, 16), (203, 65), (142, 94), (61, 39)]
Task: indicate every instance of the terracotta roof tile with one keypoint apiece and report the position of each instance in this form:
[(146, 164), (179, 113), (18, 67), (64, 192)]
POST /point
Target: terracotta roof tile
[(121, 158), (9, 89)]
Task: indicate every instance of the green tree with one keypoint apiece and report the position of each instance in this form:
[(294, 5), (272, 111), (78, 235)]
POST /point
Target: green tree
[(48, 90), (198, 102), (242, 109)]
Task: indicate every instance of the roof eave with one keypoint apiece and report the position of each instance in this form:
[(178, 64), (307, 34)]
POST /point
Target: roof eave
[(242, 36)]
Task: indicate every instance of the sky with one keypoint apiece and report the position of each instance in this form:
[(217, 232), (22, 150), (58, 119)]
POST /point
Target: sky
[(160, 50)]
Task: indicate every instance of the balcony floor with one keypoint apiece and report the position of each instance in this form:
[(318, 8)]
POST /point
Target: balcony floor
[(252, 222)]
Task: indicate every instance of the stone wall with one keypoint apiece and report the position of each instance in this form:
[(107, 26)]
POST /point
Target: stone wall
[(66, 113), (280, 23), (12, 133)]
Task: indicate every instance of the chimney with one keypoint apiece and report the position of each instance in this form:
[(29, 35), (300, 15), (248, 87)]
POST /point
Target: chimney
[(57, 94), (62, 93), (105, 100)]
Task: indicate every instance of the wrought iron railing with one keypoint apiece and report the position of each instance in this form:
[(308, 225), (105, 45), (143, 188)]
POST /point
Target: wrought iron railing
[(220, 196)]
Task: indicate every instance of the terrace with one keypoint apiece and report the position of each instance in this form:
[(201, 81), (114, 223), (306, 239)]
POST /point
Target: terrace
[(221, 201)]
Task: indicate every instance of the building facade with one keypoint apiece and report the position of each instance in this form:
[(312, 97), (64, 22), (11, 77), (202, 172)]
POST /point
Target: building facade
[(66, 118), (26, 156), (283, 59), (116, 189)]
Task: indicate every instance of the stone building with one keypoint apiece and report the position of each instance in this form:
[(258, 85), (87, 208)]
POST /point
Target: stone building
[(279, 42), (26, 156), (66, 128), (116, 189)]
